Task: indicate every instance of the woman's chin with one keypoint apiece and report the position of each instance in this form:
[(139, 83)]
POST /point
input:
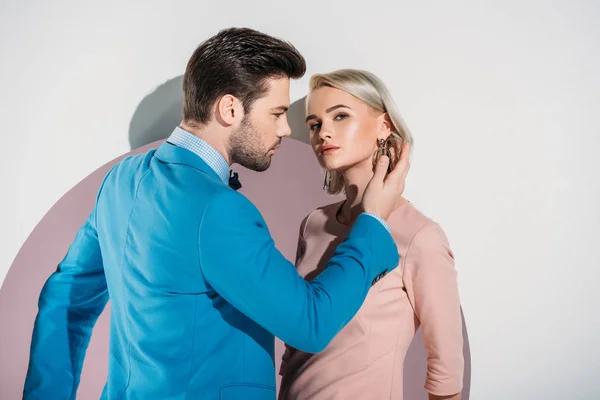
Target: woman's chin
[(341, 167), (333, 165)]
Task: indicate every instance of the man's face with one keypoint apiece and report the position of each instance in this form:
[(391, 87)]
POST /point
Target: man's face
[(256, 139)]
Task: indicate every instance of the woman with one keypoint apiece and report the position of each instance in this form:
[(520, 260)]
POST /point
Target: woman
[(352, 120)]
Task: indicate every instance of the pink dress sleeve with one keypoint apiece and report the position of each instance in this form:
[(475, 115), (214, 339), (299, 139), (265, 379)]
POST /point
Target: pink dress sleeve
[(430, 280)]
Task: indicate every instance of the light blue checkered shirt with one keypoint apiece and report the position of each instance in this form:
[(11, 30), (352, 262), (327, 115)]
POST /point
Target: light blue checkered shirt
[(182, 138), (205, 151)]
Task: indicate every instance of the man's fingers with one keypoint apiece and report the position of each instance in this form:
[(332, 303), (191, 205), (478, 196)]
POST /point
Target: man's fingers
[(392, 150), (381, 168), (401, 168)]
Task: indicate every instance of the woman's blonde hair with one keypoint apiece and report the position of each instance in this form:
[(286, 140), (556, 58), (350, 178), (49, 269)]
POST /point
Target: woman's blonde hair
[(369, 89)]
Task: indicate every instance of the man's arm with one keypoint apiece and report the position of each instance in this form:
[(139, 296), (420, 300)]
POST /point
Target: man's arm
[(239, 260), (71, 301)]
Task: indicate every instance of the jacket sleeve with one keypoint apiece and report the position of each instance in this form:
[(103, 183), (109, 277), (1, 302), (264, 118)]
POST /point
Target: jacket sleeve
[(239, 260), (69, 305)]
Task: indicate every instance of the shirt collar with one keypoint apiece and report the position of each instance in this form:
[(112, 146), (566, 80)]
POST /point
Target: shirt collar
[(187, 140)]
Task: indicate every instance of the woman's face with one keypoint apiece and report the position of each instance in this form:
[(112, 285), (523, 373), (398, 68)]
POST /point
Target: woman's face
[(343, 130)]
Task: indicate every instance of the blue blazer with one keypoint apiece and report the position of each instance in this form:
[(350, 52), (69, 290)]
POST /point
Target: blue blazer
[(197, 289)]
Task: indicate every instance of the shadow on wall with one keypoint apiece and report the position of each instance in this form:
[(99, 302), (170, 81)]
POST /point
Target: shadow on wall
[(296, 119), (284, 202), (157, 114), (161, 111)]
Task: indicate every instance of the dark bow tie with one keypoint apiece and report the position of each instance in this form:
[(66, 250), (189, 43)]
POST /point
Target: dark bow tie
[(234, 182)]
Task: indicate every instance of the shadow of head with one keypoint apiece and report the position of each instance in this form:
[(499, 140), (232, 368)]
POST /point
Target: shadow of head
[(297, 120), (161, 111), (157, 114)]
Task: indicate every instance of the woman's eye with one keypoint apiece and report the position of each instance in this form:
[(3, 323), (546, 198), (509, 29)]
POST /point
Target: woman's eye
[(278, 115), (313, 127), (340, 117)]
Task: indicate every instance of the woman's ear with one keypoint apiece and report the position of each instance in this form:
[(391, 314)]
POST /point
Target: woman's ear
[(384, 125)]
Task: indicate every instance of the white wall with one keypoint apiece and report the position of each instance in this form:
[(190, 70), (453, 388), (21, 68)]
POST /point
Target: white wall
[(503, 99)]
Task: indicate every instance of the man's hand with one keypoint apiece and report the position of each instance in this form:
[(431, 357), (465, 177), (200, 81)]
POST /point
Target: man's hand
[(383, 193)]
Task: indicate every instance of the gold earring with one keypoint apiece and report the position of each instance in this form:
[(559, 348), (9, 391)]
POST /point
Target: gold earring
[(383, 149), (327, 181)]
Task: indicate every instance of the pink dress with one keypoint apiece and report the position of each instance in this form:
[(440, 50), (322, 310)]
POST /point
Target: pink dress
[(366, 359)]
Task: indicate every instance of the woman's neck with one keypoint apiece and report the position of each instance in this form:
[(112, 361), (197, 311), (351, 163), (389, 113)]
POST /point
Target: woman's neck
[(356, 180)]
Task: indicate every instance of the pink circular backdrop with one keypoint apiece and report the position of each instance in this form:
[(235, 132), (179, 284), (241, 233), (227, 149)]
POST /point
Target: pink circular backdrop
[(285, 193)]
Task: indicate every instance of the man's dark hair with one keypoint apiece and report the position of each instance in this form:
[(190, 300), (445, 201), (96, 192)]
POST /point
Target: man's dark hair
[(236, 61)]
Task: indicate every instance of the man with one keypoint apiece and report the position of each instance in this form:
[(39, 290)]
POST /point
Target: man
[(197, 287)]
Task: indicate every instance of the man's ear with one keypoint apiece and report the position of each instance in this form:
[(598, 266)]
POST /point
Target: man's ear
[(229, 110)]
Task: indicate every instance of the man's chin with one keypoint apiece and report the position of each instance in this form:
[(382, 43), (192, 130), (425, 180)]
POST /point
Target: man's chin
[(259, 167), (264, 167)]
